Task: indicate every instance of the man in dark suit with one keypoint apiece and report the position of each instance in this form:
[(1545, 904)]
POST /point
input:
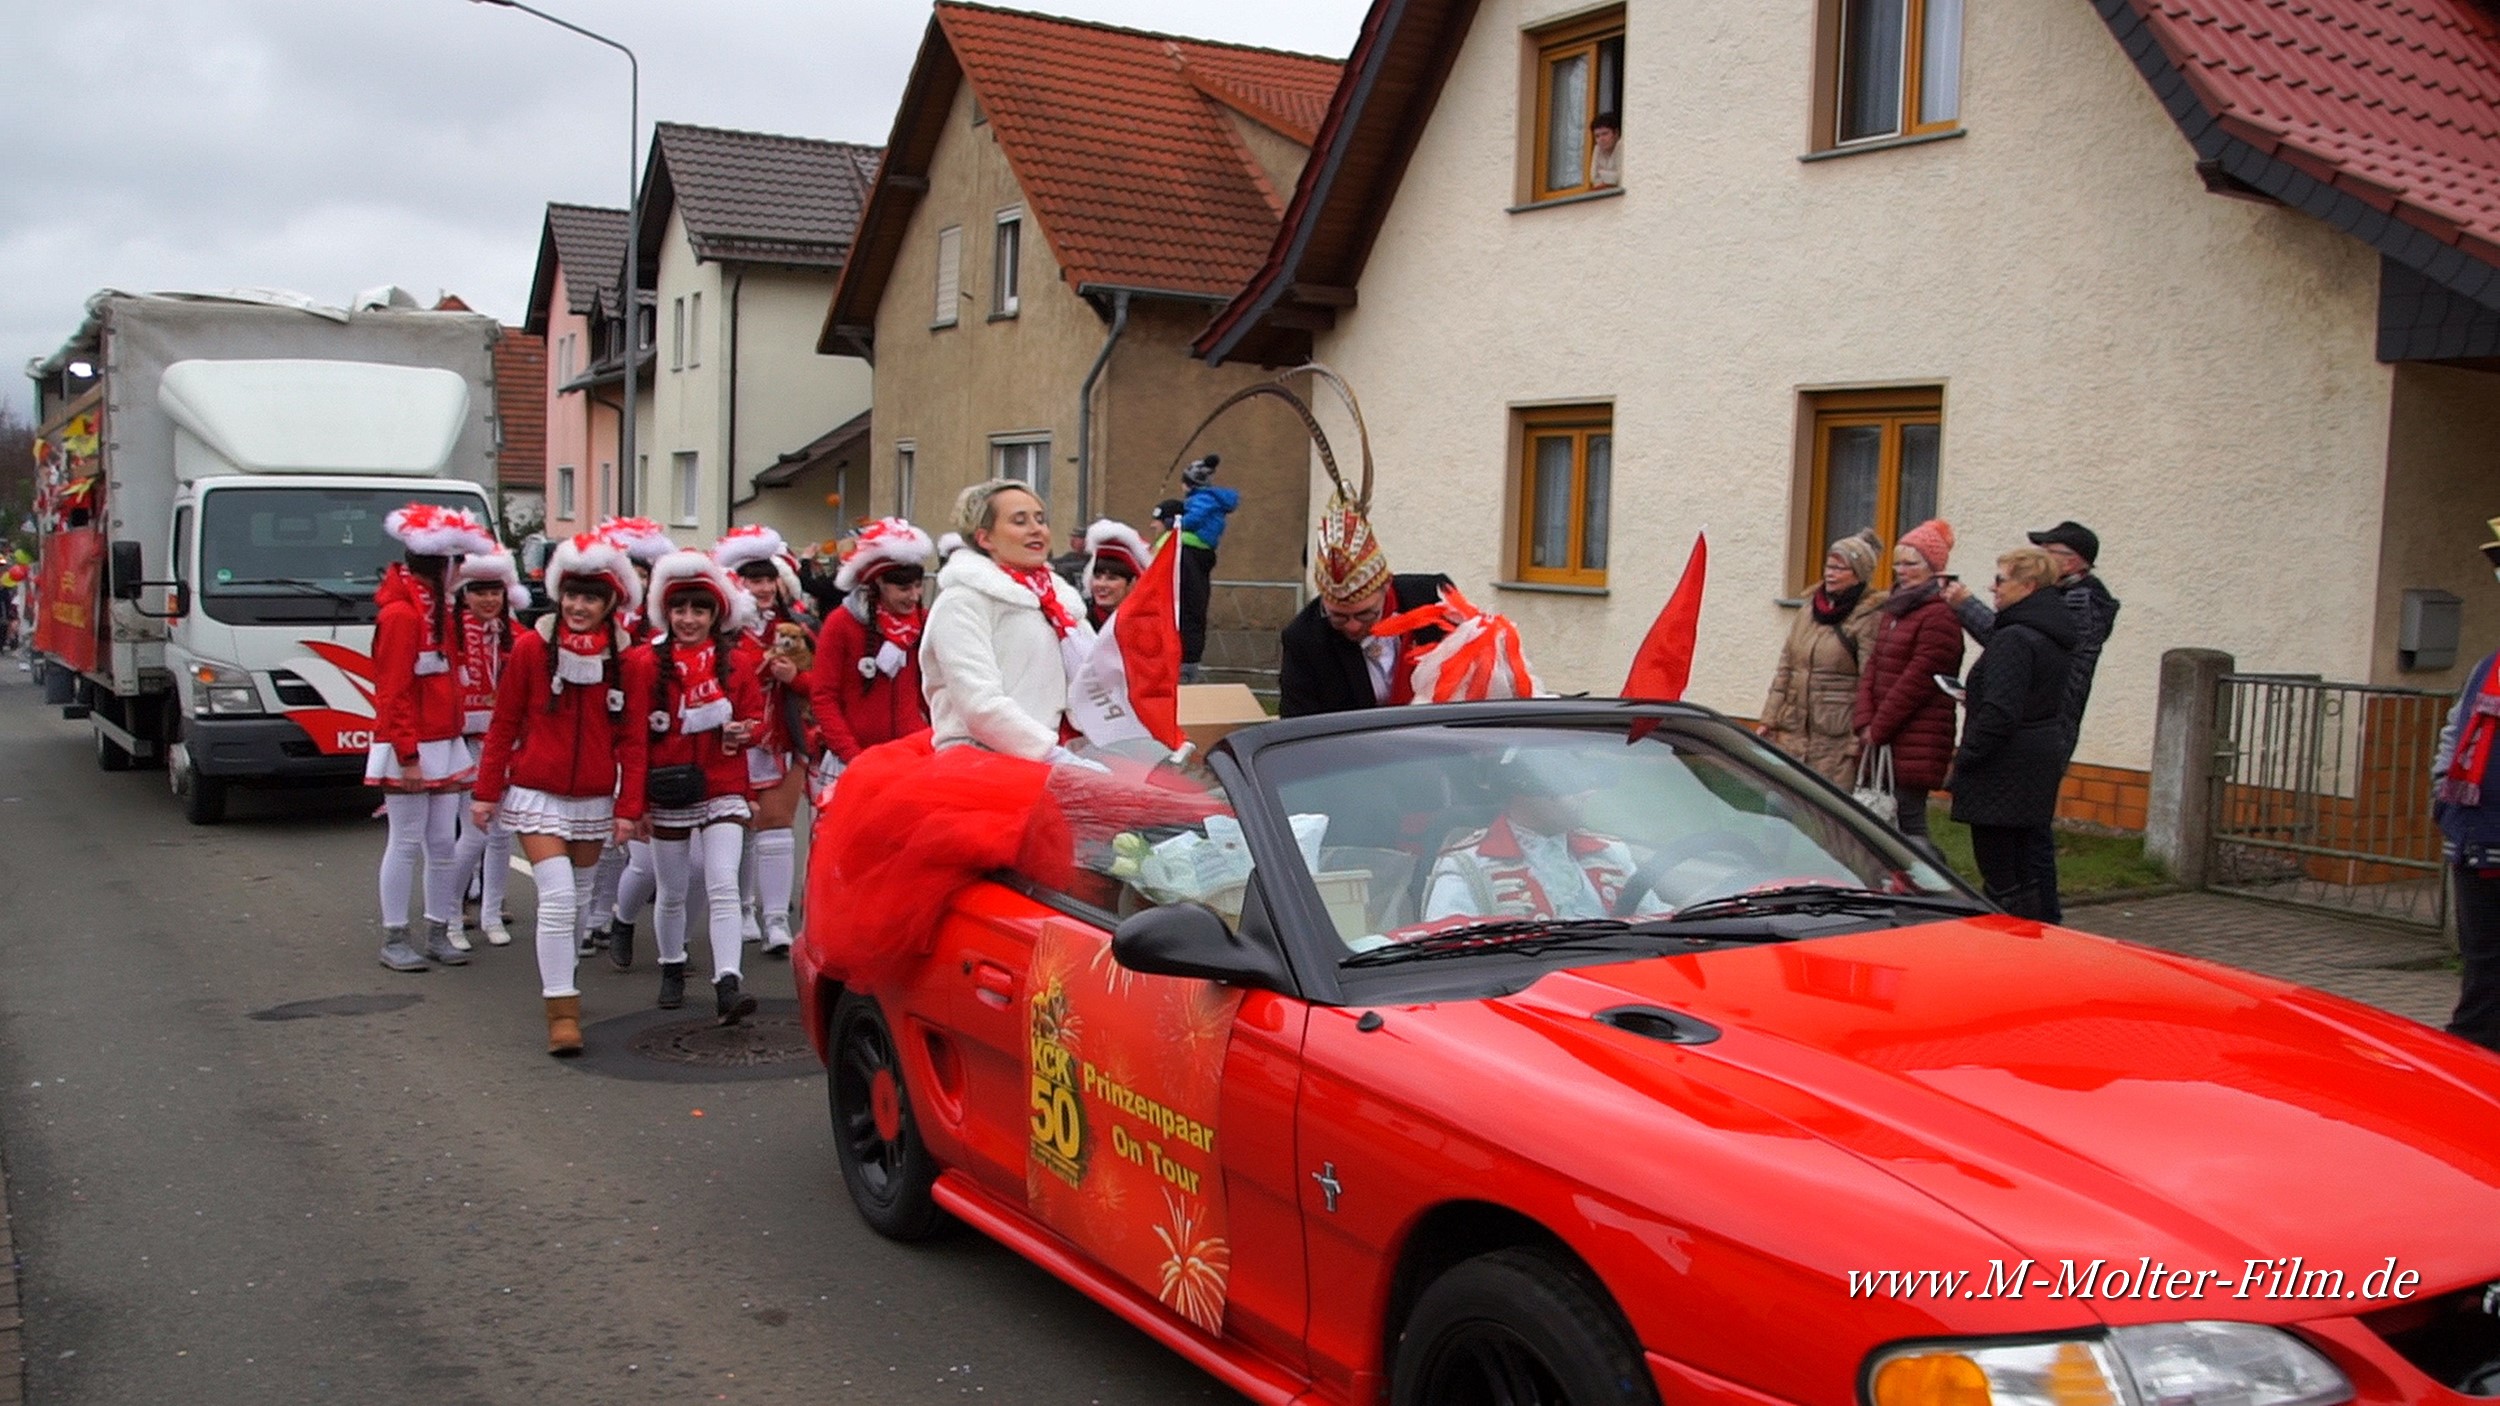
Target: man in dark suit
[(1332, 662)]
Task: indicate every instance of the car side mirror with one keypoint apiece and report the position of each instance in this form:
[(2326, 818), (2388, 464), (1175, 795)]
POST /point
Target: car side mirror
[(1191, 939), (128, 573)]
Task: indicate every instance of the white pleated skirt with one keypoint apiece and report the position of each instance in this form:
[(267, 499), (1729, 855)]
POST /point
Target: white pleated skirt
[(712, 810), (529, 812), (444, 765)]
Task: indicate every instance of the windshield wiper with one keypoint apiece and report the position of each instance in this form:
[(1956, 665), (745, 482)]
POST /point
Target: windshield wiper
[(1794, 897), (314, 587), (1496, 935)]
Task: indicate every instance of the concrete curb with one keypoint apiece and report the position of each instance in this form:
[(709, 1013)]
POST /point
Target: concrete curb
[(12, 1317)]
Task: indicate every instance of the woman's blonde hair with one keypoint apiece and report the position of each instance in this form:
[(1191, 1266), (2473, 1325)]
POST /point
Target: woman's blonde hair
[(2028, 565), (976, 508)]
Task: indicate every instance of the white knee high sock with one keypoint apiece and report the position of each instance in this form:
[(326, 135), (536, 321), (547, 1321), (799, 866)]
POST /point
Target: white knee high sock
[(584, 880), (468, 855), (776, 869), (602, 906), (746, 869), (639, 883), (557, 912), (498, 873), (720, 878), (668, 922), (402, 854), (444, 879)]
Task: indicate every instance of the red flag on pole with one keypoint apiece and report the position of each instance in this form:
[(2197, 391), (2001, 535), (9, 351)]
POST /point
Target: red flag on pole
[(1664, 663), (1130, 686)]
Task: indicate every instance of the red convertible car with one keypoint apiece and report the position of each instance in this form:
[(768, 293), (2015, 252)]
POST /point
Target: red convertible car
[(1593, 1052)]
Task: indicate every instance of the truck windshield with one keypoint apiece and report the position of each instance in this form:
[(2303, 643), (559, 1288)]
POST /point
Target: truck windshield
[(302, 555)]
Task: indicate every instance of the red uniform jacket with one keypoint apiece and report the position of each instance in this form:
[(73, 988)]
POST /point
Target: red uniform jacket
[(409, 707), (577, 748), (856, 711), (724, 772), (754, 649), (1898, 701)]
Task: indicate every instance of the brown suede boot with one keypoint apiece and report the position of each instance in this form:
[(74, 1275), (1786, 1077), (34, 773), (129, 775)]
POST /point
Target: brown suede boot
[(564, 1026)]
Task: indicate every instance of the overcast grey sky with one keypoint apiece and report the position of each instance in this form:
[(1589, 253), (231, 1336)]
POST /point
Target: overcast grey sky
[(331, 145)]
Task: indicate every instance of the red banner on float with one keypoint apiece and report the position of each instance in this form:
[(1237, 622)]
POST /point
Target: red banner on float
[(1127, 1075), (68, 596)]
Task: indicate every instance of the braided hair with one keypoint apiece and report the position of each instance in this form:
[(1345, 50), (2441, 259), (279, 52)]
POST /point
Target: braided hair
[(665, 652)]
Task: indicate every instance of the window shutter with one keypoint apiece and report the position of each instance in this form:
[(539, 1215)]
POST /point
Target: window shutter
[(950, 274)]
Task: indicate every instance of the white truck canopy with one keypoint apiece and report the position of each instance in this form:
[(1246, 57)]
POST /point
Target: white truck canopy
[(300, 417)]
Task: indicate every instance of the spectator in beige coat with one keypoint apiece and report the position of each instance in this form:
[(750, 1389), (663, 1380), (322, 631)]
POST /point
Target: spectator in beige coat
[(1807, 714)]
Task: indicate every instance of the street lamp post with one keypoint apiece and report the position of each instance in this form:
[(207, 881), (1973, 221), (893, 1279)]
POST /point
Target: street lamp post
[(627, 478)]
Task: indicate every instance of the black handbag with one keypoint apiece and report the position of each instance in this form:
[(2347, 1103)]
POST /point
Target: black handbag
[(675, 787)]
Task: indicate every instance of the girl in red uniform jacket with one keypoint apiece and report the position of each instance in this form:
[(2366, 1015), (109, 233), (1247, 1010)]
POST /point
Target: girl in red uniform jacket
[(491, 599), (866, 682), (565, 754), (774, 763), (703, 708), (418, 759)]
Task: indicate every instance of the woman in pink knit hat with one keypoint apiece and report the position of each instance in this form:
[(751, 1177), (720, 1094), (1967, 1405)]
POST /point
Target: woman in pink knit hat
[(1899, 705)]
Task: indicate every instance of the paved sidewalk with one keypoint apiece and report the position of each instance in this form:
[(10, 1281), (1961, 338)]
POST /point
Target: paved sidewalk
[(2397, 969)]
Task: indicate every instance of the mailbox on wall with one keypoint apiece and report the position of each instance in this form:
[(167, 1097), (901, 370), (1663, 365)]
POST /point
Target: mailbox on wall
[(2427, 638)]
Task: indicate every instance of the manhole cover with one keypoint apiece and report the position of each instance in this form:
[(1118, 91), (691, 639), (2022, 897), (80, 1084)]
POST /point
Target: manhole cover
[(687, 1046)]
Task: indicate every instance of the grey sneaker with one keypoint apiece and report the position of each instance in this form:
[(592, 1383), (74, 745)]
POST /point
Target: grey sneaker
[(776, 935), (440, 947), (397, 952)]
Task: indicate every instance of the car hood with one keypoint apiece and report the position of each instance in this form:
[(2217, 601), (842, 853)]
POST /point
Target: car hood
[(2085, 1099)]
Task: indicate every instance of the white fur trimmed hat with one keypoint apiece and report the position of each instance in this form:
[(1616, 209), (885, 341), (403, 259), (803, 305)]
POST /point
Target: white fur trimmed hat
[(430, 529), (644, 541), (1118, 540), (496, 567), (686, 570), (881, 546), (591, 554), (745, 546)]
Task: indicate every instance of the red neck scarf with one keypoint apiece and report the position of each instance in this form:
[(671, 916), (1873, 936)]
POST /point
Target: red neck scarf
[(2471, 766), (428, 634), (1045, 586), (481, 660), (901, 631)]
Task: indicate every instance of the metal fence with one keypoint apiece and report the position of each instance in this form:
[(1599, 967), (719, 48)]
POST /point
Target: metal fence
[(2322, 796)]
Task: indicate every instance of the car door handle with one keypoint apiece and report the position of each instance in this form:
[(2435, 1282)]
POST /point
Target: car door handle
[(995, 985)]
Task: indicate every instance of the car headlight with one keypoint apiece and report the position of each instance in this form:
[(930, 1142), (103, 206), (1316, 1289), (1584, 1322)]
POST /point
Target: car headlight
[(2161, 1364), (223, 688)]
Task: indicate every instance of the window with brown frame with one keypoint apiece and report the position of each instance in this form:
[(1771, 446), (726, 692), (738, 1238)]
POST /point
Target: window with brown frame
[(1565, 494), (1579, 78), (1876, 457), (1894, 68)]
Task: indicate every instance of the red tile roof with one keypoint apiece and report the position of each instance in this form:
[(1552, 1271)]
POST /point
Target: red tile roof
[(1121, 143), (2394, 102)]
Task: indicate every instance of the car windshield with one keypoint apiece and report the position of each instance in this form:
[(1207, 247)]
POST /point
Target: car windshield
[(302, 554), (1416, 832)]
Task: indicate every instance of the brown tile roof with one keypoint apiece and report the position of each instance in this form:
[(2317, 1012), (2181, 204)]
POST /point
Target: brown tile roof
[(755, 196), (521, 409), (1122, 141), (588, 242)]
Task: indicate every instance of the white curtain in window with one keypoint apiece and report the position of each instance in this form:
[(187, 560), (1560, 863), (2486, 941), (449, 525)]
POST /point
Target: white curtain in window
[(1566, 124), (1870, 67), (1550, 532), (1918, 474), (1852, 464), (1940, 63), (1597, 503)]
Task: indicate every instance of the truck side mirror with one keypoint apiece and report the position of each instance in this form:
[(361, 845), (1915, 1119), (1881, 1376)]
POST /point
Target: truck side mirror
[(128, 574)]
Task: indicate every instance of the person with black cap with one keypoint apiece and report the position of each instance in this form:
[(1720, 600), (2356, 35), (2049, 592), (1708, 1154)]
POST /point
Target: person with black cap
[(2467, 778), (2074, 548)]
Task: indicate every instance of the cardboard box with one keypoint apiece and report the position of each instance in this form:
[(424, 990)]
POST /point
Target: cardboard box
[(1211, 710)]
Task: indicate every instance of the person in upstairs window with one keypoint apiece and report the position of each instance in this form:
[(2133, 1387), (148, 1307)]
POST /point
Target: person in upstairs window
[(1606, 150)]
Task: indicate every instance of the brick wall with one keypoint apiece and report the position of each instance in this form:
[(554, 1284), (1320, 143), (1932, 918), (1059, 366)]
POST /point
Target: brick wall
[(2112, 797)]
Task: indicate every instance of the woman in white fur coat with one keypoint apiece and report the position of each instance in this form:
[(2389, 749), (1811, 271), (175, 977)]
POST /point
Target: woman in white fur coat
[(1006, 634)]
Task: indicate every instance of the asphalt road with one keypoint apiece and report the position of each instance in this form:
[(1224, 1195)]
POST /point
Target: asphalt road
[(407, 1200)]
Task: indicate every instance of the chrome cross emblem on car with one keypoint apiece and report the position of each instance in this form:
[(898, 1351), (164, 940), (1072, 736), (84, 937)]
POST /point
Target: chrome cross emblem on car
[(1329, 1186), (2491, 1295)]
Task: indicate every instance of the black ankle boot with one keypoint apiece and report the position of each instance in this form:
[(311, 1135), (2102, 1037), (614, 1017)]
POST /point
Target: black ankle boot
[(621, 944), (672, 985), (730, 1003)]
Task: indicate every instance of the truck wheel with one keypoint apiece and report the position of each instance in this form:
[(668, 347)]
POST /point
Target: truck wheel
[(109, 754), (885, 1165), (1517, 1326), (203, 797)]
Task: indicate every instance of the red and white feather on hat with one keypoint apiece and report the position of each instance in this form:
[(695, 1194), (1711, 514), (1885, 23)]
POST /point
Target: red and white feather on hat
[(753, 543), (686, 570), (498, 567), (644, 541), (1479, 659), (882, 545), (591, 554), (430, 529), (1109, 538)]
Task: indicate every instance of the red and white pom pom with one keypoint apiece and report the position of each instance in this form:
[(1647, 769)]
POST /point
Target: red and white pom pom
[(591, 554), (430, 529), (685, 570), (498, 567), (1478, 660), (1117, 539), (881, 546), (644, 541), (949, 544)]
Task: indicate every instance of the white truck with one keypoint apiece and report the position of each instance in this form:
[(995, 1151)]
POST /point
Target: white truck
[(215, 470)]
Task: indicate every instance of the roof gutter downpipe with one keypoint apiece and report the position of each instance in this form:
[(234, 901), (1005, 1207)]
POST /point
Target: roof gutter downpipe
[(1085, 411)]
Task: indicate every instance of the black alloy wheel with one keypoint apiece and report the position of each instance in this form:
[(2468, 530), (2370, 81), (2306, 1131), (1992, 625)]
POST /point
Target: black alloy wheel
[(885, 1167), (1517, 1327)]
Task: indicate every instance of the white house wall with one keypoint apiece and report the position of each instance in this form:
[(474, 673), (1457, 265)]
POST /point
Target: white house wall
[(2190, 375)]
